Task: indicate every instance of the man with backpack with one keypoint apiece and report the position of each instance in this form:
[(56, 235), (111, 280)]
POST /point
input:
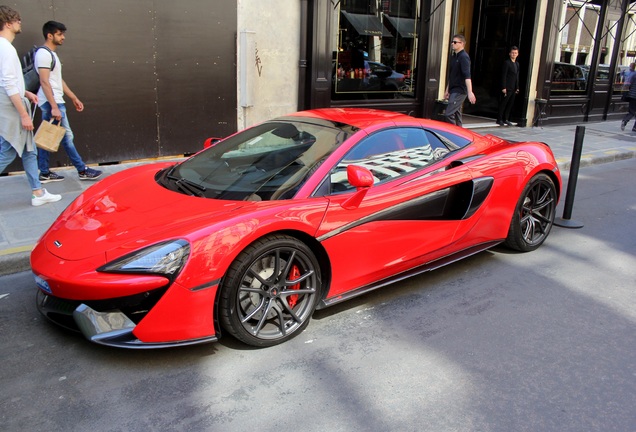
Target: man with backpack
[(51, 102), (16, 125)]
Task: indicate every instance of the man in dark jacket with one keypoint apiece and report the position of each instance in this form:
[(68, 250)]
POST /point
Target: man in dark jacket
[(509, 87), (459, 83), (631, 94)]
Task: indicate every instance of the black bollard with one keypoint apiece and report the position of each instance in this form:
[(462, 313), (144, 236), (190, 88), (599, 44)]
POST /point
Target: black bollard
[(566, 222)]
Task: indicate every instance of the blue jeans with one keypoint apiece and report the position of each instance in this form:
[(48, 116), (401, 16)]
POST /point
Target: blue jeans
[(29, 162), (67, 141)]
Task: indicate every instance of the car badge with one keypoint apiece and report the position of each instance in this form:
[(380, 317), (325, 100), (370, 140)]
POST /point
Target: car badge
[(57, 243)]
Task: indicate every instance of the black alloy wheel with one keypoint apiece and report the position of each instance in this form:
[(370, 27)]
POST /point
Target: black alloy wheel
[(270, 291), (534, 215)]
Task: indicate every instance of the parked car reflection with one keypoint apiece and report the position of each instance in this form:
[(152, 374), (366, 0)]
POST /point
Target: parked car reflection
[(375, 81), (568, 77), (603, 74)]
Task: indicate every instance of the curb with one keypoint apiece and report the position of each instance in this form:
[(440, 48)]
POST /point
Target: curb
[(597, 159), (15, 262)]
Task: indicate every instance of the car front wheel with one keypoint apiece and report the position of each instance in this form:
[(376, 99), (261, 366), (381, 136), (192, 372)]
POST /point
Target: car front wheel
[(270, 291), (534, 215)]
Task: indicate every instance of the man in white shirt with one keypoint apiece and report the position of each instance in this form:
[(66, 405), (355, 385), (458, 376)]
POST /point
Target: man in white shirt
[(16, 126), (51, 101)]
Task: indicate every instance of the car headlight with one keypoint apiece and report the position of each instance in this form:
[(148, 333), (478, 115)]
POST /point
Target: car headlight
[(162, 258)]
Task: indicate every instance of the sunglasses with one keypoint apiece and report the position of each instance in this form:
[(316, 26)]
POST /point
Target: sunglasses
[(456, 42)]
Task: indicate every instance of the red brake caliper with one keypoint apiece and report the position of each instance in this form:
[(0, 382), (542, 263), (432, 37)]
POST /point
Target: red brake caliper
[(294, 273)]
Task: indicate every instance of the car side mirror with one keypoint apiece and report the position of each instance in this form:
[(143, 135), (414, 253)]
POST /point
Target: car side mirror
[(360, 178), (210, 142)]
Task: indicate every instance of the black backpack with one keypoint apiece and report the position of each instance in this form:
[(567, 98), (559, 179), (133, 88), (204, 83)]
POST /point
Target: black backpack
[(31, 76)]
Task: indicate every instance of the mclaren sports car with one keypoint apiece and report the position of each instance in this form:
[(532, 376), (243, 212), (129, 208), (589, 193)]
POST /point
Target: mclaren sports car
[(256, 231)]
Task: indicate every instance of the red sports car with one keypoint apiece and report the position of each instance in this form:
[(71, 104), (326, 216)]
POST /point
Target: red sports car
[(254, 233)]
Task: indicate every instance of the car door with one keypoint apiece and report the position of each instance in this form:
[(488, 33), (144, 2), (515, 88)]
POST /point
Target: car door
[(408, 217)]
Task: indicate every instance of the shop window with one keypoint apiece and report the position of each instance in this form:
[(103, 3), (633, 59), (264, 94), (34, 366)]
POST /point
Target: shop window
[(579, 20), (624, 74), (376, 46), (578, 37), (568, 78)]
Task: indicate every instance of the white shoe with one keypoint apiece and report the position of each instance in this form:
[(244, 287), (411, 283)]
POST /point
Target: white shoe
[(45, 198)]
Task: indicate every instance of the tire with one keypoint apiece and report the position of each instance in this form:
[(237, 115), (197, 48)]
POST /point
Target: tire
[(270, 291), (534, 215)]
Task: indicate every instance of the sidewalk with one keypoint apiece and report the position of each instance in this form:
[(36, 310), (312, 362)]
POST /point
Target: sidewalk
[(21, 224)]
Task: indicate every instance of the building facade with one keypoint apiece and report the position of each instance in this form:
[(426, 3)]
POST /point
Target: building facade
[(158, 78), (573, 55)]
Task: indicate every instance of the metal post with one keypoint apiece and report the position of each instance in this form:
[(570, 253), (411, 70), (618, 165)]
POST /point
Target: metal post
[(303, 62), (565, 222)]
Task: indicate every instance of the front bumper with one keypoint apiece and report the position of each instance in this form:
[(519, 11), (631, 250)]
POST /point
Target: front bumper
[(111, 328)]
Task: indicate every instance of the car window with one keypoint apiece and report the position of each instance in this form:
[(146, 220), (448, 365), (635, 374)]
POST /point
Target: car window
[(389, 154), (270, 161), (448, 139)]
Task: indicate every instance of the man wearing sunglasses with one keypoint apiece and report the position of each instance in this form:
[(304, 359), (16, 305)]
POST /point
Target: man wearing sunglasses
[(459, 83)]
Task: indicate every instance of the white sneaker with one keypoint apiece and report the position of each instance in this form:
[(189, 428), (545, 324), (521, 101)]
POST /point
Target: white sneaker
[(45, 198)]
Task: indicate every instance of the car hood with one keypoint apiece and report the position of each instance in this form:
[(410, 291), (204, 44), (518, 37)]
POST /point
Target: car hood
[(127, 211)]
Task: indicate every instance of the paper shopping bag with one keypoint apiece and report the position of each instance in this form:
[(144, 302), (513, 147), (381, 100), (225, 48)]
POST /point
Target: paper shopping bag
[(49, 135)]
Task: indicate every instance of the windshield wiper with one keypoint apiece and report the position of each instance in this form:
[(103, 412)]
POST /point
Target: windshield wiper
[(188, 186)]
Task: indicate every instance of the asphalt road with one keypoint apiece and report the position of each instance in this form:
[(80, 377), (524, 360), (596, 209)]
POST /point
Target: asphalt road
[(543, 341)]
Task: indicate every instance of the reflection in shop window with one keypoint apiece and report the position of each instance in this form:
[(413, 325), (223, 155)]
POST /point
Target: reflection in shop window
[(568, 79), (579, 20), (624, 72), (576, 43), (376, 49)]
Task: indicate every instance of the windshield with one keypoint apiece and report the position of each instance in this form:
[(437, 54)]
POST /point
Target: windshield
[(270, 161)]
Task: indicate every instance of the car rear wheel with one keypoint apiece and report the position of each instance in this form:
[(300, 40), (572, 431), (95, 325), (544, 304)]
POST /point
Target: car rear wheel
[(534, 215), (270, 291)]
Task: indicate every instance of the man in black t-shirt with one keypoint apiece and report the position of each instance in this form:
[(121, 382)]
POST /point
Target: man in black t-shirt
[(459, 83)]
